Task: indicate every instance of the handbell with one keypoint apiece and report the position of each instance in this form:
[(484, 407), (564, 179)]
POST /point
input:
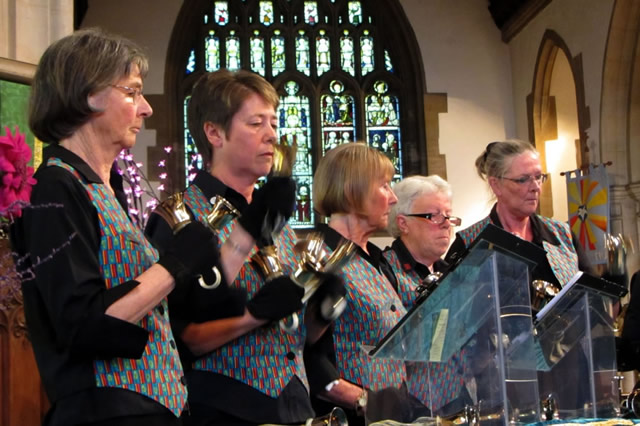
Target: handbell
[(542, 293), (283, 158), (312, 258), (616, 254), (174, 212), (336, 417), (222, 212), (266, 259)]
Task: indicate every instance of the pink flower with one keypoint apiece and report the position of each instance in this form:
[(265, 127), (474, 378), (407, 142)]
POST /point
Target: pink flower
[(16, 177)]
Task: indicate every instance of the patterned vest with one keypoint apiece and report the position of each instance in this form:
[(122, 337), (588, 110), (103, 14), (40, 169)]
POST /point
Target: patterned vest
[(266, 358), (445, 378), (125, 254), (408, 280), (373, 309), (563, 259)]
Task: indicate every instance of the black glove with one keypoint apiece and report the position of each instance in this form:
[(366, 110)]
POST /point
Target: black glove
[(277, 299), (271, 206), (329, 300), (192, 252), (222, 302)]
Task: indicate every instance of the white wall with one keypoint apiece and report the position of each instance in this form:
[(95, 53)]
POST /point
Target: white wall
[(583, 25), (464, 57), (561, 153)]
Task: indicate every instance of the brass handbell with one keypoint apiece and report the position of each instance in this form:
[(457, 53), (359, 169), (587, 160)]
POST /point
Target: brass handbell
[(283, 158), (174, 211), (616, 254), (222, 212), (543, 292), (266, 259), (312, 258)]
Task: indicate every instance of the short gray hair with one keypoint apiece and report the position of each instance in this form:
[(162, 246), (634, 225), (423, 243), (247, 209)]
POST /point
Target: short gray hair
[(410, 188)]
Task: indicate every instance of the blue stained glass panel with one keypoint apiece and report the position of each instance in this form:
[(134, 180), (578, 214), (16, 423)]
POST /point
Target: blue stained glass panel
[(387, 61), (212, 52), (294, 129), (278, 57), (233, 51), (382, 113), (191, 62), (338, 112), (221, 13), (302, 53), (323, 53)]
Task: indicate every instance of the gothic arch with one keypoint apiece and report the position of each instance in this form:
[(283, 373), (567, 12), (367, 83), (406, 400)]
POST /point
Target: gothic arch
[(620, 121), (541, 105), (392, 26)]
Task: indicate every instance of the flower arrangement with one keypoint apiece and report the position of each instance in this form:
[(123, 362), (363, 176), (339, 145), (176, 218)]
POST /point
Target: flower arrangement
[(141, 196), (16, 176), (16, 180)]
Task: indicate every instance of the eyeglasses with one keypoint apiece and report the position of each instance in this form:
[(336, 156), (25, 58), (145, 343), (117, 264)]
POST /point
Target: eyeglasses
[(438, 218), (527, 179), (133, 92)]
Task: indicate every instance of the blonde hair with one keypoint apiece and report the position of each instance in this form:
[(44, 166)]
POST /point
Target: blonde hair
[(345, 175)]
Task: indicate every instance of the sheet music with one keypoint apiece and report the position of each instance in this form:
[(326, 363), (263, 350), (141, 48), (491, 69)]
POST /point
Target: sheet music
[(439, 334)]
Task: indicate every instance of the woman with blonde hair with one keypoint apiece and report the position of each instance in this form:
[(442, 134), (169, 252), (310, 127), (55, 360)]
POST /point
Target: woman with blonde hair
[(352, 188)]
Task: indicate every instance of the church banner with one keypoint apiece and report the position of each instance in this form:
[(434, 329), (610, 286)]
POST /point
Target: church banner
[(588, 199)]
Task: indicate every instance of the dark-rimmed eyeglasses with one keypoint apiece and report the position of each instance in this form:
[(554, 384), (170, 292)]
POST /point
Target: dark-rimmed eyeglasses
[(134, 93), (527, 179), (437, 218)]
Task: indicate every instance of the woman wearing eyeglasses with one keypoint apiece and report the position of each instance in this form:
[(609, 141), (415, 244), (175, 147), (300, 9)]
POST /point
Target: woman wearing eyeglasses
[(95, 290), (514, 173), (421, 224)]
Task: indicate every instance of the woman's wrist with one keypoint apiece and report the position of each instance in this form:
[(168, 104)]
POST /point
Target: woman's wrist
[(361, 403)]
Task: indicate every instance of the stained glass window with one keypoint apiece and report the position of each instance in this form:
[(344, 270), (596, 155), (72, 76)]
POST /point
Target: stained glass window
[(191, 62), (233, 51), (347, 55), (278, 57), (266, 13), (323, 53), (221, 13), (302, 53), (294, 130), (355, 12), (257, 53), (383, 124), (337, 113), (387, 61), (192, 160), (321, 57), (366, 52), (212, 52), (311, 12)]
